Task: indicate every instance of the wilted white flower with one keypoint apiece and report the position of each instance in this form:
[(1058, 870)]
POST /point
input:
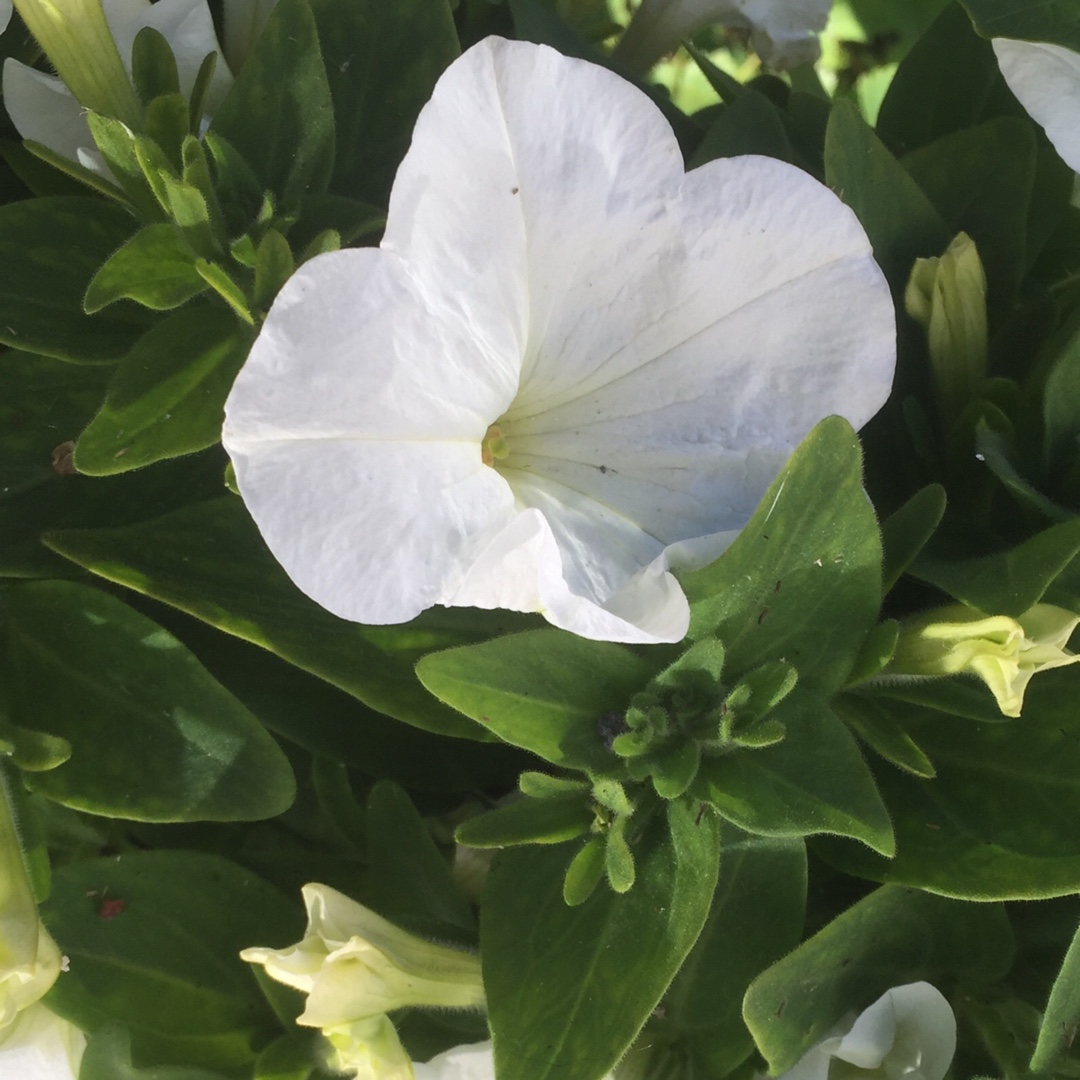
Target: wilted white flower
[(784, 33), (40, 1045), (909, 1032), (92, 53), (1046, 79), (1005, 653), (567, 357)]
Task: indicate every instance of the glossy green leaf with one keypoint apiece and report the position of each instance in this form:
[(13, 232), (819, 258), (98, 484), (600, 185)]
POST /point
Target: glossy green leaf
[(898, 217), (544, 691), (382, 61), (49, 251), (153, 938), (410, 881), (278, 115), (210, 561), (1061, 1018), (814, 781), (943, 85), (1030, 20), (999, 820), (891, 937), (153, 736), (167, 397), (980, 181), (803, 579), (756, 917), (560, 1001), (1009, 582), (155, 268)]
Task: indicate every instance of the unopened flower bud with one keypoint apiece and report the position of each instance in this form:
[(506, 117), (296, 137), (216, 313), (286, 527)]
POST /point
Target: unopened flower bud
[(1004, 652), (946, 295)]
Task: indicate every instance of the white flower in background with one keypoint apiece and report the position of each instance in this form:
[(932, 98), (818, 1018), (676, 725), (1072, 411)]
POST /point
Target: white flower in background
[(40, 1045), (244, 22), (93, 57), (1005, 653), (6, 8), (1046, 80), (566, 356), (784, 33), (909, 1032)]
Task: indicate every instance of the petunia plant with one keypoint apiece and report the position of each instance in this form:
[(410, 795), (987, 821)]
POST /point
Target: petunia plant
[(507, 576)]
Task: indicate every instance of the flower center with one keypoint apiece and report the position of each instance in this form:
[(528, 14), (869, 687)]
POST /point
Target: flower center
[(493, 447)]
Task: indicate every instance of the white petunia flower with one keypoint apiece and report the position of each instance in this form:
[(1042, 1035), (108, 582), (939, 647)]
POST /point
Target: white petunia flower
[(1046, 80), (784, 33), (40, 1045), (6, 8), (567, 359), (909, 1032), (44, 109)]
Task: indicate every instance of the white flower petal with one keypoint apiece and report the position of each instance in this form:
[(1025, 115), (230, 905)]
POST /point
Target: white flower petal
[(475, 1061), (40, 1045), (651, 345), (1046, 79), (44, 110), (6, 8)]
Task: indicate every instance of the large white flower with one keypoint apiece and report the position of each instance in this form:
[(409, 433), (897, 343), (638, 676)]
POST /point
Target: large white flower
[(909, 1032), (1046, 79), (44, 109), (784, 32), (6, 9), (567, 357), (40, 1045)]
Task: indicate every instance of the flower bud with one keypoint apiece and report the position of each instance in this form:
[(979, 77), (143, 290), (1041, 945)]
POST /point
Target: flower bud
[(29, 958), (369, 1050), (354, 965), (1005, 653), (947, 297), (77, 40)]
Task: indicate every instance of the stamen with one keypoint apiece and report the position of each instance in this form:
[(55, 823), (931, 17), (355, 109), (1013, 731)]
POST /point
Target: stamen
[(493, 447)]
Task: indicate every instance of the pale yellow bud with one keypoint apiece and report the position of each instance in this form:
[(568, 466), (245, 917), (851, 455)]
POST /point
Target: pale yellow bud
[(1005, 653)]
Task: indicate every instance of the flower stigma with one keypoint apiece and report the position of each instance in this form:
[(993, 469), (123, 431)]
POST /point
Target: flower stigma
[(493, 446)]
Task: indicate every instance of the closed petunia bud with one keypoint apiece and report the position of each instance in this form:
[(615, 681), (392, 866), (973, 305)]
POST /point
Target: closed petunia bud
[(947, 297), (1005, 653)]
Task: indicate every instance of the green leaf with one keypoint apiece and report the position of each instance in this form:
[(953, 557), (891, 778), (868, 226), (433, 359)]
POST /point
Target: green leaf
[(998, 821), (382, 61), (167, 397), (273, 267), (108, 1057), (210, 561), (814, 781), (877, 650), (1061, 1018), (410, 882), (803, 579), (980, 181), (756, 917), (899, 219), (1061, 403), (905, 532), (943, 85), (279, 115), (560, 1001), (1030, 20), (891, 937), (544, 691), (49, 251), (153, 938), (1009, 582), (117, 142), (153, 66), (155, 268), (220, 281), (880, 730), (528, 821), (750, 124), (153, 736)]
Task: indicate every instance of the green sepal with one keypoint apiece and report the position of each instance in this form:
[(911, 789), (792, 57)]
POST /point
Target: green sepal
[(237, 186), (167, 125), (203, 77), (761, 691), (538, 785), (196, 174), (584, 873), (155, 268), (674, 770), (116, 143), (528, 821), (191, 213), (618, 858), (273, 267), (877, 650), (904, 533), (226, 288), (153, 66)]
